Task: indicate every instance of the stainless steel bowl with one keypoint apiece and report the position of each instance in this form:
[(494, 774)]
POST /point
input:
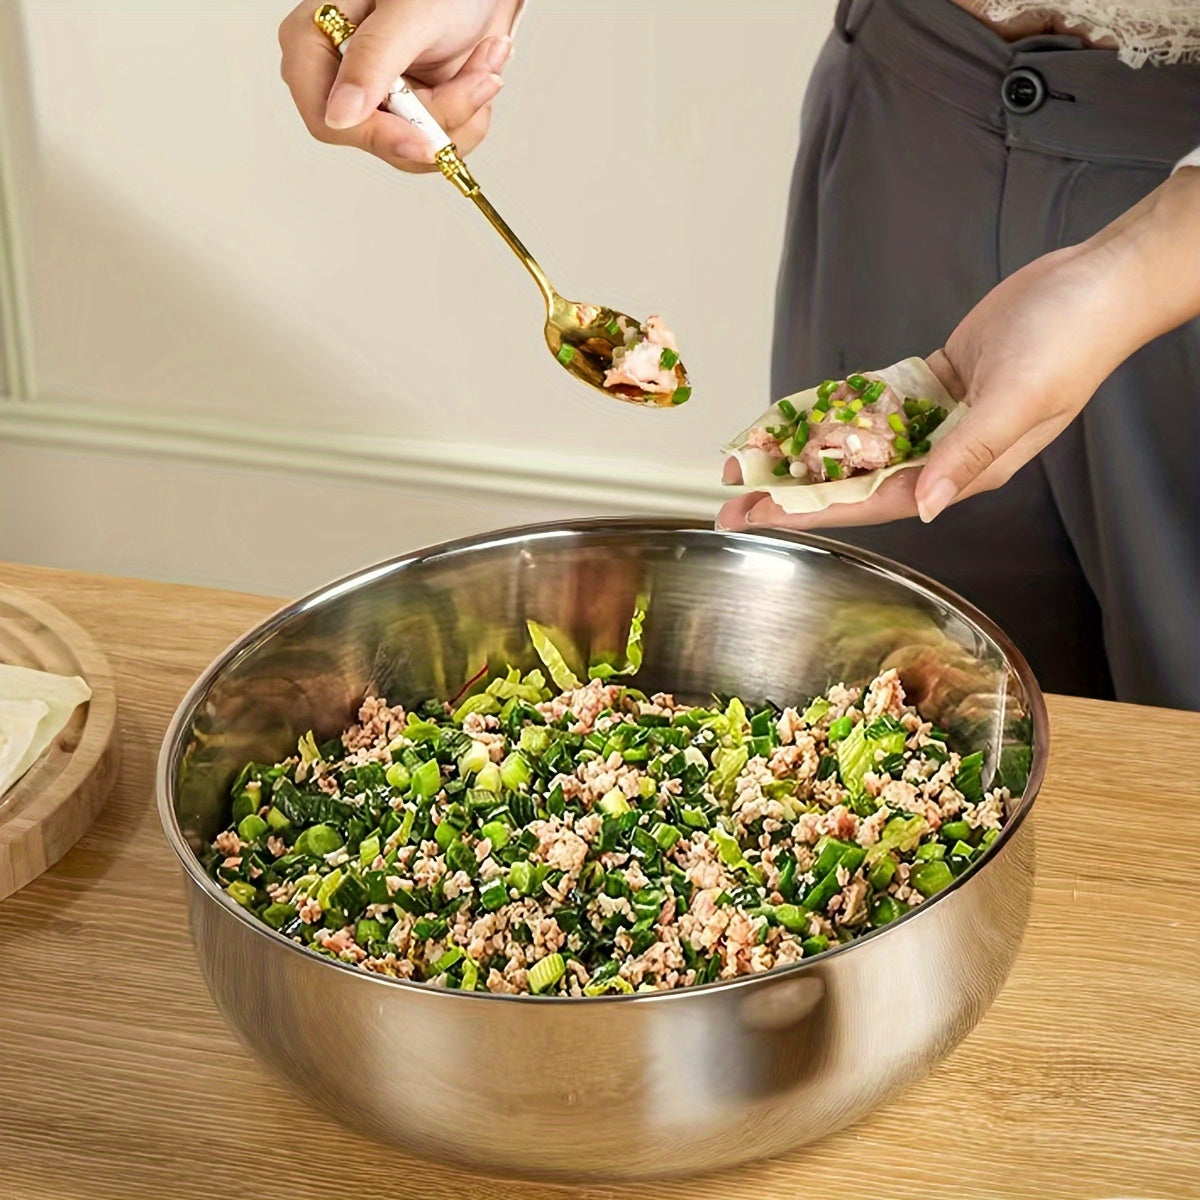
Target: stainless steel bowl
[(649, 1084)]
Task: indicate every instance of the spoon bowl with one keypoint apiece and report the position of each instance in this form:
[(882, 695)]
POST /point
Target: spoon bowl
[(583, 338)]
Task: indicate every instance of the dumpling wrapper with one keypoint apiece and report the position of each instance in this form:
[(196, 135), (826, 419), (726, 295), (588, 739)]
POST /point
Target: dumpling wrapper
[(24, 694), (910, 378)]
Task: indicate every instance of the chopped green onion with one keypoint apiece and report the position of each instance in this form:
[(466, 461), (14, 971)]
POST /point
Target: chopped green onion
[(278, 915), (546, 972), (474, 759), (885, 910), (251, 828), (318, 840), (781, 468), (603, 987), (427, 779), (668, 359), (833, 468), (243, 892), (494, 894), (788, 409), (929, 878), (873, 391), (856, 406), (681, 395), (800, 437), (792, 917), (896, 421), (515, 772), (613, 328), (566, 354), (825, 389), (903, 445), (666, 836), (882, 873), (447, 960), (497, 833), (857, 382), (840, 728), (613, 803), (489, 779)]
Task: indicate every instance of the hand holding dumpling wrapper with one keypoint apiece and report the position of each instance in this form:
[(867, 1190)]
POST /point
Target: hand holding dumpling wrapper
[(837, 442)]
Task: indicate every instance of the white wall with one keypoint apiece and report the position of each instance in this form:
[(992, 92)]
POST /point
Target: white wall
[(228, 345)]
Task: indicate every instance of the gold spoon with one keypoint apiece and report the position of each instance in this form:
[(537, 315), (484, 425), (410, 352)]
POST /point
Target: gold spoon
[(582, 337)]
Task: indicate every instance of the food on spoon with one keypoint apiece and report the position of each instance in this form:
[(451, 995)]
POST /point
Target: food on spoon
[(837, 442), (646, 360), (35, 707), (588, 839)]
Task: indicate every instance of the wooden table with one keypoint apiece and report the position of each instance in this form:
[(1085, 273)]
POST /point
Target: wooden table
[(119, 1080)]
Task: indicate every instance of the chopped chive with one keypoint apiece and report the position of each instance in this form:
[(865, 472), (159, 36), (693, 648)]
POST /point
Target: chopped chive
[(668, 359), (681, 395), (896, 421), (566, 354), (788, 409)]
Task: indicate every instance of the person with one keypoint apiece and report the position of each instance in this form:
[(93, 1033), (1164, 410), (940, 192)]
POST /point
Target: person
[(1035, 167)]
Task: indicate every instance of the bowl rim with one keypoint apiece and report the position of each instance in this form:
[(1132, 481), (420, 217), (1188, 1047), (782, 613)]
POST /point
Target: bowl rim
[(170, 748)]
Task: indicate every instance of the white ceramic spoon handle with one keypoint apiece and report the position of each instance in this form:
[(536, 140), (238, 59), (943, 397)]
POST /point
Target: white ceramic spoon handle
[(402, 101)]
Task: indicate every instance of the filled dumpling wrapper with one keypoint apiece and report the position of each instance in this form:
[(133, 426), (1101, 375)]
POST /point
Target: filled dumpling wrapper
[(837, 442), (35, 707)]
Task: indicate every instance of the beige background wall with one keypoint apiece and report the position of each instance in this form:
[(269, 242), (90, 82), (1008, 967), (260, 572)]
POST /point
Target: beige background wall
[(234, 356)]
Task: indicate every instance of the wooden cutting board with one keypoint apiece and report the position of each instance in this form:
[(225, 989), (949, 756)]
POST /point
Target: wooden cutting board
[(46, 811)]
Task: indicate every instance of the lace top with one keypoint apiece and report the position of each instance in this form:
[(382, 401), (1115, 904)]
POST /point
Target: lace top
[(1154, 31)]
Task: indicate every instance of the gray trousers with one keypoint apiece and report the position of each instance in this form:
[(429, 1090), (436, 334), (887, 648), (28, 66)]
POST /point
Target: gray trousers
[(916, 190)]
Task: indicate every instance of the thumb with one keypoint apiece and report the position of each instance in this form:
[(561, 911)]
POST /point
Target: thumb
[(382, 48), (966, 452)]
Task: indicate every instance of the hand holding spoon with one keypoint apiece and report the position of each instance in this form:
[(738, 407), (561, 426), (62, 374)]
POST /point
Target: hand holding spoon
[(582, 337)]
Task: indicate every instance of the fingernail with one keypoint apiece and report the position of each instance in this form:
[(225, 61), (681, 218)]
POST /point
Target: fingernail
[(347, 106), (938, 498), (497, 54)]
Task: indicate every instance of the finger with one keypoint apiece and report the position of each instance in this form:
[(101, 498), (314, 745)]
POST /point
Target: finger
[(971, 448), (382, 48), (732, 472), (468, 136), (893, 501), (943, 369), (455, 102)]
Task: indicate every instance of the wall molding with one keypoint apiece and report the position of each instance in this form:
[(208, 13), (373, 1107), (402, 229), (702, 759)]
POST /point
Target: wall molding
[(448, 468)]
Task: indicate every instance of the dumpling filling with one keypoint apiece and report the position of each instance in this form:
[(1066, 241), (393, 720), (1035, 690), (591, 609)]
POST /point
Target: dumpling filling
[(855, 425), (648, 362)]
